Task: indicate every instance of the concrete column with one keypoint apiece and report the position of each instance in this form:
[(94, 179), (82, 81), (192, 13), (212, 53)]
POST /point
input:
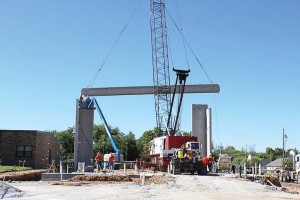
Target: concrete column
[(209, 130), (83, 141), (199, 126)]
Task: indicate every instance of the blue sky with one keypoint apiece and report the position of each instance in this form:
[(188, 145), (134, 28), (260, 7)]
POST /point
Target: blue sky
[(49, 50)]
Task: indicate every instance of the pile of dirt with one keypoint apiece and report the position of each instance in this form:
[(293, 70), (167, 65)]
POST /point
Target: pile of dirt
[(156, 179), (29, 175), (160, 179), (101, 178), (269, 180), (293, 188)]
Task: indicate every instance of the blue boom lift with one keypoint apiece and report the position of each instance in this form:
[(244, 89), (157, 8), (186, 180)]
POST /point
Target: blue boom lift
[(94, 101)]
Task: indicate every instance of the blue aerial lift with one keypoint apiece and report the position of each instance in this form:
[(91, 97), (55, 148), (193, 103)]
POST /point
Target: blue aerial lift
[(94, 101)]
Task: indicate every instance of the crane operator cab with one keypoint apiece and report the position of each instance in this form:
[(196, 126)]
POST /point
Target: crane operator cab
[(188, 150), (192, 146)]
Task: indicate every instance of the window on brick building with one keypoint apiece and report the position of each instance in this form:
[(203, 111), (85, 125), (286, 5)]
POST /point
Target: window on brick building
[(24, 151)]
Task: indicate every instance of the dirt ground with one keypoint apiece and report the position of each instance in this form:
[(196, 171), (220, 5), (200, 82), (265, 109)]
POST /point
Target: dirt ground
[(158, 186), (30, 175)]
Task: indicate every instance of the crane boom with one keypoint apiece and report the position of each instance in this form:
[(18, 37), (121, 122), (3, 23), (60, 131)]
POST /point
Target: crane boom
[(94, 101), (160, 63)]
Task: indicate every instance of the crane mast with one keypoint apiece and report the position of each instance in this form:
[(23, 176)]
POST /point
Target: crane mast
[(160, 64)]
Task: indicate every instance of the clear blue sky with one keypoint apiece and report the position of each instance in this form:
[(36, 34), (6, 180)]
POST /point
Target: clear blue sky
[(49, 50)]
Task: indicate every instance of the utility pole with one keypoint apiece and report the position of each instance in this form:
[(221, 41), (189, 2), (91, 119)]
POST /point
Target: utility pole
[(126, 143), (283, 143), (284, 136)]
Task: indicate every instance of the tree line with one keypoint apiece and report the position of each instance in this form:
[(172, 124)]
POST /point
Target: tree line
[(128, 144), (132, 147)]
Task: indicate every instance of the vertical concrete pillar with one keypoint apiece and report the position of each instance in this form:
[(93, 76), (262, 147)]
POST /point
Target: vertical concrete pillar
[(209, 130), (199, 126), (83, 141)]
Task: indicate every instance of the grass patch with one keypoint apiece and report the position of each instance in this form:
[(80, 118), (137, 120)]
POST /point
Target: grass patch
[(12, 168)]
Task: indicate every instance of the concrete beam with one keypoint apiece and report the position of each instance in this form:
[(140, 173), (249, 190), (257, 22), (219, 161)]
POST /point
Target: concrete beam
[(143, 90)]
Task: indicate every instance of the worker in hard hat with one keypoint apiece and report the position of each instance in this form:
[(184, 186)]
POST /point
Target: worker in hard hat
[(205, 161), (98, 159), (210, 162), (87, 101), (184, 151), (111, 160), (80, 102)]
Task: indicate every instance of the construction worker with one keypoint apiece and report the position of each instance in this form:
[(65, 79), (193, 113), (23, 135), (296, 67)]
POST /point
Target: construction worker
[(87, 101), (98, 159), (111, 160), (210, 162), (184, 151), (205, 161), (80, 99)]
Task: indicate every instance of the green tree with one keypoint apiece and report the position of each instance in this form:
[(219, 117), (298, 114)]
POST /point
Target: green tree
[(184, 133), (270, 153), (287, 162), (278, 153), (129, 147), (143, 141), (102, 142), (127, 144), (66, 140)]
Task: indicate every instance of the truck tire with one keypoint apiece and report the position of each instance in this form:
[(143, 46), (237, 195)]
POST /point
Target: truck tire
[(173, 170)]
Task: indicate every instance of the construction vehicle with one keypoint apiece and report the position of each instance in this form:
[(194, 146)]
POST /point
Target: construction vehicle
[(224, 163), (162, 150), (287, 174), (189, 161)]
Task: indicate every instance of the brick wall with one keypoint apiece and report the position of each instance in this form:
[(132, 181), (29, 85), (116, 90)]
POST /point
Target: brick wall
[(10, 139), (40, 143), (47, 149)]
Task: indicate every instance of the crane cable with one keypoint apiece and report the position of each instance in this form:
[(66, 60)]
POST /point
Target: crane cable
[(181, 30), (209, 79), (121, 33)]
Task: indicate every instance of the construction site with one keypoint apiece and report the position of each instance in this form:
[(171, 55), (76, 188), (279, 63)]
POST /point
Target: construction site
[(174, 164)]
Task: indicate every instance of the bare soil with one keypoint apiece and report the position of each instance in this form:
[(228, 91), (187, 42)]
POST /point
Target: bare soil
[(29, 175), (158, 186)]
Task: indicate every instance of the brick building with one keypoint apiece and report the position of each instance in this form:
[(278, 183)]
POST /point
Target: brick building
[(37, 148)]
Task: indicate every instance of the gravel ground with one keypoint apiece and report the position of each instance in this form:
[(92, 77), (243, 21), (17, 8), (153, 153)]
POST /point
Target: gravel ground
[(176, 187)]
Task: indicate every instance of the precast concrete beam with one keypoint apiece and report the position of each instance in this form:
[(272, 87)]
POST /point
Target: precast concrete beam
[(144, 90)]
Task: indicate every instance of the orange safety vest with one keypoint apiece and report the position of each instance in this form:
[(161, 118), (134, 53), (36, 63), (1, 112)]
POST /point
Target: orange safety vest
[(111, 159), (98, 158), (205, 161), (210, 159)]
